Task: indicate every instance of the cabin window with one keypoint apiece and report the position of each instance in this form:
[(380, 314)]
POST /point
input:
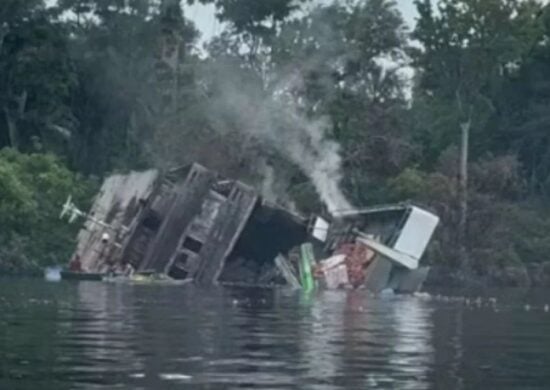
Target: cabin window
[(223, 188), (191, 244), (177, 270), (152, 221), (220, 193)]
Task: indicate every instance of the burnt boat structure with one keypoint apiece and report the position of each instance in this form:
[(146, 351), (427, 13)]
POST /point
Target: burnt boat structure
[(191, 224)]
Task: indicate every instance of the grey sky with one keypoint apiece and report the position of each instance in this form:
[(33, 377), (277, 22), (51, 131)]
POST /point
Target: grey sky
[(206, 22), (204, 18), (408, 10)]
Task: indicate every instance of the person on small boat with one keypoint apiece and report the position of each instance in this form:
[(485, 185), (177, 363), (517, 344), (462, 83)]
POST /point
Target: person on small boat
[(75, 265), (106, 265), (127, 269)]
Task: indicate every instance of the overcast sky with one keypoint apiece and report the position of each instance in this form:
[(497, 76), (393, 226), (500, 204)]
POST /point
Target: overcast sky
[(204, 18), (206, 22)]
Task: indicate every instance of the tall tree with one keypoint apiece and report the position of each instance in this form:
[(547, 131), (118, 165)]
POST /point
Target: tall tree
[(468, 50), (258, 18), (128, 55), (526, 123), (36, 78)]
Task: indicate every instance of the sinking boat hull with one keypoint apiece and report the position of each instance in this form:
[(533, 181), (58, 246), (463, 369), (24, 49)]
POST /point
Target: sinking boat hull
[(191, 224), (70, 275)]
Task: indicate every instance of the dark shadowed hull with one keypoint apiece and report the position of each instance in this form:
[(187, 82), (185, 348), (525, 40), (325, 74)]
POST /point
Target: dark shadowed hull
[(70, 275)]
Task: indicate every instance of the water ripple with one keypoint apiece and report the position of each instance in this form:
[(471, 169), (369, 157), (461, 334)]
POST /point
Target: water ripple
[(98, 336)]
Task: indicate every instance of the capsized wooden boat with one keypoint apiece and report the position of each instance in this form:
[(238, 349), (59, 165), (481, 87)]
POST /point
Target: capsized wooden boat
[(190, 223), (72, 275)]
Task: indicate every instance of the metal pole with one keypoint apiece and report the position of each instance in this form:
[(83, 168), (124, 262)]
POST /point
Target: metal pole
[(463, 194)]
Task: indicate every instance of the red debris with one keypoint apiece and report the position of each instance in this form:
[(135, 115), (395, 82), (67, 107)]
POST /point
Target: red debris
[(358, 257)]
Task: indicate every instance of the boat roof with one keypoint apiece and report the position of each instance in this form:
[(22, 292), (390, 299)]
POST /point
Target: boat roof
[(374, 209)]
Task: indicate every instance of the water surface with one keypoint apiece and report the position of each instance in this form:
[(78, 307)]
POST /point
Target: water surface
[(92, 335)]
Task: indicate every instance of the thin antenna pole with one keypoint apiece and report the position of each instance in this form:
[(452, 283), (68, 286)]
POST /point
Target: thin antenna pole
[(463, 192)]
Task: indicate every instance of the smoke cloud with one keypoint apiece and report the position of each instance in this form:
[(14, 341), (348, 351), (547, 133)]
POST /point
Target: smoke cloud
[(274, 120)]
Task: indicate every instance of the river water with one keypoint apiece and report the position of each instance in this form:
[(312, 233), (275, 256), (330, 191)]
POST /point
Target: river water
[(92, 335)]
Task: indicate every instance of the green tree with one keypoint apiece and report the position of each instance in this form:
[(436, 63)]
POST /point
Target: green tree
[(257, 18), (36, 78), (469, 49), (525, 125), (469, 64), (130, 58), (32, 189)]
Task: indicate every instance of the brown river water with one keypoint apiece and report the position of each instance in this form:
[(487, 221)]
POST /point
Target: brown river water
[(93, 335)]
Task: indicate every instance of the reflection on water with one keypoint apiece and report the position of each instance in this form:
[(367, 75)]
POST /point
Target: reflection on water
[(107, 336)]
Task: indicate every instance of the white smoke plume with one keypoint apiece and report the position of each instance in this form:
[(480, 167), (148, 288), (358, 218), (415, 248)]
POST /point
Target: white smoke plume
[(274, 120), (273, 189)]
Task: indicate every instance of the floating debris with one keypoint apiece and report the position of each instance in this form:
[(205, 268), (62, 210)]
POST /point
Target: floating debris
[(175, 377), (286, 271), (52, 274)]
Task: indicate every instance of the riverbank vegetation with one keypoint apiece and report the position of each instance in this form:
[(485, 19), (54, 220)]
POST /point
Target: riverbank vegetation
[(92, 86), (32, 188)]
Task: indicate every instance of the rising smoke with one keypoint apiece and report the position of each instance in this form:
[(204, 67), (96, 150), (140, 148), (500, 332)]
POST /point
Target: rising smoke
[(274, 120)]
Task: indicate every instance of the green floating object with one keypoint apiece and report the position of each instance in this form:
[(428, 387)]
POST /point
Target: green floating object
[(286, 270), (307, 259)]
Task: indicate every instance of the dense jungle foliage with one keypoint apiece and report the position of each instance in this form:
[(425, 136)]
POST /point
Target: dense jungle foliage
[(88, 87)]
